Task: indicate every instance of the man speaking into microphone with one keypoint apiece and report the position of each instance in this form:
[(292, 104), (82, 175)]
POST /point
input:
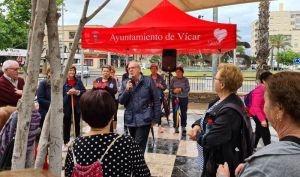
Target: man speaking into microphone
[(141, 101)]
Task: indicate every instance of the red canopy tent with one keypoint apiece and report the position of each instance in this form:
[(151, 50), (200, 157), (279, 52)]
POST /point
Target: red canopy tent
[(165, 27)]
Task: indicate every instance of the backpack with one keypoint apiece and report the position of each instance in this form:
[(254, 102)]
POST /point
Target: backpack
[(248, 99), (93, 170), (247, 134)]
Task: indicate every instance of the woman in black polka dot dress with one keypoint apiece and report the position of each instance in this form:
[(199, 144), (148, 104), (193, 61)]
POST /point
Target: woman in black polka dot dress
[(123, 158)]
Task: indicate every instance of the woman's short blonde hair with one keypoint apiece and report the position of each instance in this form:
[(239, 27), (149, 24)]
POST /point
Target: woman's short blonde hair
[(231, 76)]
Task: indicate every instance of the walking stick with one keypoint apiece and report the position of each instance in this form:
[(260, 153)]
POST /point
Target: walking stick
[(152, 132), (73, 114)]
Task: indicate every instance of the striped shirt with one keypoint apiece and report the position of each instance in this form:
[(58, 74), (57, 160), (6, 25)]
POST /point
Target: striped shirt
[(9, 131)]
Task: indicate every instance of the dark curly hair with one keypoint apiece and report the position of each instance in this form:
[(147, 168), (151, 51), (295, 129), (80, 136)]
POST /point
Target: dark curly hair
[(284, 89), (97, 108), (264, 76)]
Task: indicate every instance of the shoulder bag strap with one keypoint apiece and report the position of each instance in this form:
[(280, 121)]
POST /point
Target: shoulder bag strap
[(111, 144), (73, 154)]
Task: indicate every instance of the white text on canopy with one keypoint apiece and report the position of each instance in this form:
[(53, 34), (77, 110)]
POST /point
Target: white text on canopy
[(155, 37)]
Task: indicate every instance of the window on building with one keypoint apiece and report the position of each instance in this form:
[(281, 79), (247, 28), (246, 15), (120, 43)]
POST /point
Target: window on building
[(70, 45), (71, 35), (296, 45), (88, 61), (297, 21)]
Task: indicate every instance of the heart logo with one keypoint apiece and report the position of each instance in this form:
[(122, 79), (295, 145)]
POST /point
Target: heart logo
[(220, 34)]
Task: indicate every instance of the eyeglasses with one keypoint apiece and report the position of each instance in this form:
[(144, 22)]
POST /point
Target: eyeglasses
[(217, 79), (133, 67), (14, 69)]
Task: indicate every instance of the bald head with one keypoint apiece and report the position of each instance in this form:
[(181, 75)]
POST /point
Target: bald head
[(11, 69), (134, 69)]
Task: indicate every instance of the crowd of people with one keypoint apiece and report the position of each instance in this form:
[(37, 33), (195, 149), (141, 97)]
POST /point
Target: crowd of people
[(218, 132)]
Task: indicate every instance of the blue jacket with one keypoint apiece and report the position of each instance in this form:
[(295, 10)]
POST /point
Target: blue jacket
[(67, 98), (142, 106), (44, 97)]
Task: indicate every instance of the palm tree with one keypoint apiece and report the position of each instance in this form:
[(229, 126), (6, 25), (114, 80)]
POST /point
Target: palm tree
[(278, 42), (262, 46)]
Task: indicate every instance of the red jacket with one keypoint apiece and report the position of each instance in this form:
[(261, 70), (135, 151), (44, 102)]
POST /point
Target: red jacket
[(257, 102), (7, 92)]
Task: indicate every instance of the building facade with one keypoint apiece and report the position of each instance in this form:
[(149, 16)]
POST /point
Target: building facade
[(281, 22), (92, 58)]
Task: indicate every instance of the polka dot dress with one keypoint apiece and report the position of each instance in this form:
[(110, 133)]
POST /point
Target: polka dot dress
[(123, 158)]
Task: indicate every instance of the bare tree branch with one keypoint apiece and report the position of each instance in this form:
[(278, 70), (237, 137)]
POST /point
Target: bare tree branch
[(97, 11), (77, 37), (43, 142)]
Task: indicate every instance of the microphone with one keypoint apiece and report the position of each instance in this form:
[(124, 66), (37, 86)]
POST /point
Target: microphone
[(131, 81)]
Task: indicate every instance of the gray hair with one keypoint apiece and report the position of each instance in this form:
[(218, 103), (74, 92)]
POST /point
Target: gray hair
[(8, 63)]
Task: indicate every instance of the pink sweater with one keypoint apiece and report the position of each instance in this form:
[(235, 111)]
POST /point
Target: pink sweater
[(257, 103)]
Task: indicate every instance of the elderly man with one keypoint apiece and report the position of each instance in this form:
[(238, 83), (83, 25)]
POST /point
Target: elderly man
[(141, 100), (11, 85)]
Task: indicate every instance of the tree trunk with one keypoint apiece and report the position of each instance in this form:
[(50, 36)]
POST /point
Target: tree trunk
[(33, 15), (272, 57), (262, 47), (56, 111), (25, 104), (57, 80), (43, 142)]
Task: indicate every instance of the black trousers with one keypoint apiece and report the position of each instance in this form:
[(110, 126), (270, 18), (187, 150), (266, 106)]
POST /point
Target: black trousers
[(262, 132), (115, 116), (140, 135), (183, 104), (67, 126)]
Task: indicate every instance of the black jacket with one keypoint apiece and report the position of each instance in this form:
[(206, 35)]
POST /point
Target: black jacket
[(222, 141), (67, 98)]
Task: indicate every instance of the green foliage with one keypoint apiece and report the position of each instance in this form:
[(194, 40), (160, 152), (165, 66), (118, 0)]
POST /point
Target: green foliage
[(280, 41), (14, 23), (155, 59), (240, 50), (15, 18), (287, 57), (184, 59)]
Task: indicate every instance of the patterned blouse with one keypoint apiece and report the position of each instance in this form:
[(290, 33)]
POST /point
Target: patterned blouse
[(123, 158)]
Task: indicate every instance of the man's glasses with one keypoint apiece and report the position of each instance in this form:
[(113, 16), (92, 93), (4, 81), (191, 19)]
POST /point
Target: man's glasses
[(14, 69), (133, 67)]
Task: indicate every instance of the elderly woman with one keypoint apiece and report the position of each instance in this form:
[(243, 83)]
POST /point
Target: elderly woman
[(108, 83), (72, 90), (220, 144), (120, 154), (282, 108), (180, 89), (160, 85)]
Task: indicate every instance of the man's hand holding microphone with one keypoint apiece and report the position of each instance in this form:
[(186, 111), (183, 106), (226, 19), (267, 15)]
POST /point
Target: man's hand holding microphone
[(129, 84)]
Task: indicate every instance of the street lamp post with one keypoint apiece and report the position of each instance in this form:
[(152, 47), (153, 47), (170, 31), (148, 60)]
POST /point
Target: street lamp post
[(214, 56)]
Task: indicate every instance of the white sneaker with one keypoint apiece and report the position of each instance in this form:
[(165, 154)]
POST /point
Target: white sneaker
[(65, 148)]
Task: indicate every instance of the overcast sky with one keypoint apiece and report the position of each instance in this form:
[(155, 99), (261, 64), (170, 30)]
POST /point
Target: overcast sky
[(242, 15)]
